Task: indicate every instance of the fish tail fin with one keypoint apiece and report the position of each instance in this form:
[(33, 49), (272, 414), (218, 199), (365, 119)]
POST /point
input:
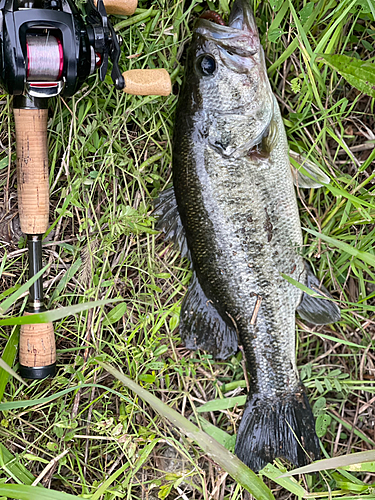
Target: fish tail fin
[(278, 426)]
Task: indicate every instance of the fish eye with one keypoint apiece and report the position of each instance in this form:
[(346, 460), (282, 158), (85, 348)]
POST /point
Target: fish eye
[(206, 65)]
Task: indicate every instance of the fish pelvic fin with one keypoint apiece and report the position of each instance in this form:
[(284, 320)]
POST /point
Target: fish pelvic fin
[(169, 220), (306, 174), (280, 426), (319, 311), (202, 327)]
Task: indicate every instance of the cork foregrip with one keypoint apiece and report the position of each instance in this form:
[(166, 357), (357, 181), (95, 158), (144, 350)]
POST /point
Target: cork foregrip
[(120, 7), (32, 169), (147, 82), (37, 345)]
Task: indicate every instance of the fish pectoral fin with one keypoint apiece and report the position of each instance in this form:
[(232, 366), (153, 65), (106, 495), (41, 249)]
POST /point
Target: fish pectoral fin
[(202, 327), (169, 220), (306, 174), (317, 310)]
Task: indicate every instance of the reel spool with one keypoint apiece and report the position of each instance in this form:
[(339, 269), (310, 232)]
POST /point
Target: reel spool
[(45, 58)]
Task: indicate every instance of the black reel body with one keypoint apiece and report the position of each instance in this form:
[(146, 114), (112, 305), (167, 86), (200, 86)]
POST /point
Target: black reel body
[(48, 47)]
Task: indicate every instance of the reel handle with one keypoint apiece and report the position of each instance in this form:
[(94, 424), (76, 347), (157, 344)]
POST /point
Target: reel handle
[(120, 7), (147, 82), (37, 342)]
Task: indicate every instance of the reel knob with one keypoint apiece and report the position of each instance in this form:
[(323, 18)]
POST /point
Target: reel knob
[(120, 7), (147, 82)]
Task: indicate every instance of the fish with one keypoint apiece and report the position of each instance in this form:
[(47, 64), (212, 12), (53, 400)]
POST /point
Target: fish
[(232, 211)]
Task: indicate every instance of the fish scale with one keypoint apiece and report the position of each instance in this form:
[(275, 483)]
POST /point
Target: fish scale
[(235, 211)]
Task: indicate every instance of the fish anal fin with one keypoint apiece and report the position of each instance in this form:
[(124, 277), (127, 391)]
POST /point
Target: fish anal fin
[(277, 426), (319, 311), (202, 327), (169, 221)]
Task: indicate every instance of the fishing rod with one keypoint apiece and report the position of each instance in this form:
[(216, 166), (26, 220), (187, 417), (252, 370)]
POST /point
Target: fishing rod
[(50, 48)]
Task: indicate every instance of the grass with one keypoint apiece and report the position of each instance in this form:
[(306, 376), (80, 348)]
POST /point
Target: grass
[(83, 432)]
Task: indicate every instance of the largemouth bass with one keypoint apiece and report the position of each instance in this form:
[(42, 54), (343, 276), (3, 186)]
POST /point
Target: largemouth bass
[(233, 211)]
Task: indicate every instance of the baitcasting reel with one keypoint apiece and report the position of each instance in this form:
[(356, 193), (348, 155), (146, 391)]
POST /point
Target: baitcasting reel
[(49, 48)]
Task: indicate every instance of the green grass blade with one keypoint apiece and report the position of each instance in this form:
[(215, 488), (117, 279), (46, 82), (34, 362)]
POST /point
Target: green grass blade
[(279, 16), (372, 7), (45, 317), (361, 467), (11, 465), (9, 356), (360, 74), (222, 404), (107, 483), (328, 34), (229, 462), (62, 212), (358, 254), (5, 367), (22, 289), (219, 435), (308, 56), (289, 484), (304, 288), (354, 199), (334, 463), (34, 402), (294, 44), (135, 19), (10, 290), (25, 492), (353, 429), (338, 340)]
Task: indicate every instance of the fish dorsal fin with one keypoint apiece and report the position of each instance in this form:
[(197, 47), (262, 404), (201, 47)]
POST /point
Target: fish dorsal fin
[(317, 310), (202, 327), (305, 173), (169, 220)]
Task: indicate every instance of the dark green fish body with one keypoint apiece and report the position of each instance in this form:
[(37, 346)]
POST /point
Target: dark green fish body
[(243, 231), (240, 226)]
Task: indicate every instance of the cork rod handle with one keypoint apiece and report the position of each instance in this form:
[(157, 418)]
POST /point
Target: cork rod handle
[(32, 169), (37, 350), (37, 341)]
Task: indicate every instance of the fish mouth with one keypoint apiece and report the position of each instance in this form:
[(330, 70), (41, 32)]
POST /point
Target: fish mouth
[(237, 47), (240, 36), (242, 17)]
